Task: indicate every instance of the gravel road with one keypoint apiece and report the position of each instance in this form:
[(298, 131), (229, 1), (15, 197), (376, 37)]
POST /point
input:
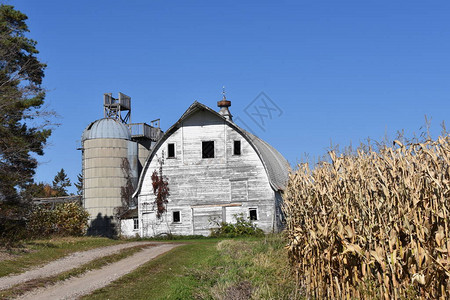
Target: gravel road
[(95, 279), (69, 262)]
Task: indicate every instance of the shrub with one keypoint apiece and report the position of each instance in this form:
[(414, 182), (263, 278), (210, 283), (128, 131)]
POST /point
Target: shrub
[(63, 219), (242, 227), (12, 224)]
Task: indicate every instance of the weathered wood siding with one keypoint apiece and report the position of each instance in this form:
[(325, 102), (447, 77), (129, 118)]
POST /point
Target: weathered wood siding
[(207, 190), (127, 228)]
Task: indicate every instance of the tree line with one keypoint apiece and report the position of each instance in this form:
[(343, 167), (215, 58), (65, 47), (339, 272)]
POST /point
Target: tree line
[(25, 126), (58, 187)]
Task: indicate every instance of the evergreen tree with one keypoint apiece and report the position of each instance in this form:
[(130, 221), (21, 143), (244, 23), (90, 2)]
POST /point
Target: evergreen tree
[(21, 100), (39, 190), (79, 184), (60, 183)]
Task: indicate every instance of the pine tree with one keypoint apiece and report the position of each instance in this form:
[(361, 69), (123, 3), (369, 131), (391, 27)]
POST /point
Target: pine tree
[(60, 183), (21, 100), (79, 184), (39, 190)]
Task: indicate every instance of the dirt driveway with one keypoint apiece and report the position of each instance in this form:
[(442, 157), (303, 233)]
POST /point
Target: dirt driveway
[(90, 281)]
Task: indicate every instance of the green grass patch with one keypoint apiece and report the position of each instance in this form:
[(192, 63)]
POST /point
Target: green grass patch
[(241, 268), (166, 277), (248, 269), (22, 288), (170, 237), (38, 252)]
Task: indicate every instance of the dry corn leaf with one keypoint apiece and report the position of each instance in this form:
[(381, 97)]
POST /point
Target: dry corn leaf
[(439, 237), (394, 257), (350, 232), (398, 143), (392, 239), (378, 255), (419, 278), (442, 250), (353, 248)]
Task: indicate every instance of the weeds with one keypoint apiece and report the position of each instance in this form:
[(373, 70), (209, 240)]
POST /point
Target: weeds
[(242, 227), (243, 269)]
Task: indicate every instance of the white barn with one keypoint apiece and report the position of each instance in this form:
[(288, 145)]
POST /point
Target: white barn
[(215, 170)]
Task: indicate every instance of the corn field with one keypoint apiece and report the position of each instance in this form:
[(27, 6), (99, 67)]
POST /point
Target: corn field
[(373, 224)]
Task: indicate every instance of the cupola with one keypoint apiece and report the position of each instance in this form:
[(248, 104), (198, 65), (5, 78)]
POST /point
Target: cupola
[(224, 104)]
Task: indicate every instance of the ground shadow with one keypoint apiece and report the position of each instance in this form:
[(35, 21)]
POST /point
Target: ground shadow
[(102, 226)]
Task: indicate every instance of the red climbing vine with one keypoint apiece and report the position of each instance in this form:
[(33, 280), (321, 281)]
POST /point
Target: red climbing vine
[(160, 189)]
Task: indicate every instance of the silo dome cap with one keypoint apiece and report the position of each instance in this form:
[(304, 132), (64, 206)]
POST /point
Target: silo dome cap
[(106, 128)]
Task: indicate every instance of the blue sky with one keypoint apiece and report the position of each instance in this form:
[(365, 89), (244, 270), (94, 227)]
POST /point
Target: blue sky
[(339, 71)]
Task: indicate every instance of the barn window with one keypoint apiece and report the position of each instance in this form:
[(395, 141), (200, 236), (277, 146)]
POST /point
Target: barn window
[(208, 149), (135, 223), (237, 148), (176, 217), (170, 150), (253, 214)]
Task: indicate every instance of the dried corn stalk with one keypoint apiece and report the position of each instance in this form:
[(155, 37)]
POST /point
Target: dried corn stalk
[(373, 225)]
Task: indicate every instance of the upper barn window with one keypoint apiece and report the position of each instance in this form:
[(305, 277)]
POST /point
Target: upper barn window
[(237, 148), (208, 149), (170, 150)]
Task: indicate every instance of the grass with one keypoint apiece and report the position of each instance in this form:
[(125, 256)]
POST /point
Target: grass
[(211, 269), (38, 252), (166, 277), (248, 269), (22, 288), (241, 268)]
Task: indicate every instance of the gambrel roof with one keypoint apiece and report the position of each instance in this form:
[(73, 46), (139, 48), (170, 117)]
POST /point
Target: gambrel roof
[(276, 166)]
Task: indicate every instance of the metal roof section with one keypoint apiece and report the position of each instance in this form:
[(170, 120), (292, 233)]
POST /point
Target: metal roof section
[(143, 130), (106, 128), (276, 166), (129, 214)]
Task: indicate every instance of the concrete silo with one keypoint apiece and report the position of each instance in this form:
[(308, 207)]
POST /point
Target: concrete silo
[(112, 155), (106, 143)]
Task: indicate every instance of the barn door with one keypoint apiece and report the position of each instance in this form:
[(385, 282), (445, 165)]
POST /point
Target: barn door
[(151, 226), (206, 218), (148, 224)]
